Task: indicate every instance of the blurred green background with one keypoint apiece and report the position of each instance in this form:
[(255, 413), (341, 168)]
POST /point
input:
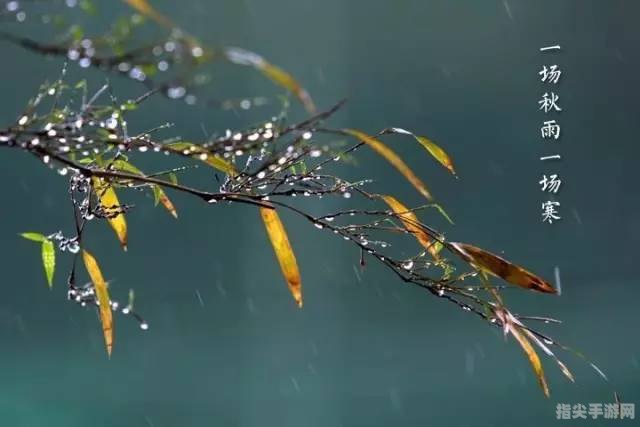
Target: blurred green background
[(365, 350)]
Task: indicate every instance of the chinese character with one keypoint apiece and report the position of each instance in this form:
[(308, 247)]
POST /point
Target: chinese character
[(549, 212), (579, 411), (548, 102), (554, 157), (550, 129), (611, 411), (563, 411), (595, 410), (628, 410), (551, 74), (550, 184)]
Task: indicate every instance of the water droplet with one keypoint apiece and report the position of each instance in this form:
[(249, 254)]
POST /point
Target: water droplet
[(197, 51), (407, 265)]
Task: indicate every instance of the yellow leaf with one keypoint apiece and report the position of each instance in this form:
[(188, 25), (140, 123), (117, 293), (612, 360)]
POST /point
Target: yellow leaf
[(159, 193), (284, 253), (533, 357), (392, 158), (500, 267), (437, 152), (164, 199), (197, 152), (102, 293), (286, 80), (434, 149), (238, 56), (273, 72), (412, 224), (145, 8), (109, 200)]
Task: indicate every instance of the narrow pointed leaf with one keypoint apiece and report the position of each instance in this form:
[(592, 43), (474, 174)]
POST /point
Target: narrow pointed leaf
[(286, 80), (563, 368), (533, 357), (434, 149), (35, 237), (165, 201), (412, 224), (108, 199), (49, 260), (284, 252), (158, 192), (199, 153), (437, 152), (145, 8), (500, 267), (102, 293), (392, 158), (273, 72)]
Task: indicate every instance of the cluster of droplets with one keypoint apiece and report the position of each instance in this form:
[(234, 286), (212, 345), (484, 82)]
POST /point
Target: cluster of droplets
[(239, 143), (86, 296), (159, 59), (15, 9), (69, 244)]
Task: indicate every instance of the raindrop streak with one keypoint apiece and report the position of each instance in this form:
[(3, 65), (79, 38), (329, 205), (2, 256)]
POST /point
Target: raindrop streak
[(200, 298), (508, 9), (556, 275)]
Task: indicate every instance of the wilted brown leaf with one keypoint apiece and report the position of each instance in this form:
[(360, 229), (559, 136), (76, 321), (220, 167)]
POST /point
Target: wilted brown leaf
[(102, 293), (392, 158), (284, 252), (500, 267)]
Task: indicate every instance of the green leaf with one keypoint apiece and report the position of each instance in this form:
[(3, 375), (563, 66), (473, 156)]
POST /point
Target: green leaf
[(129, 106), (49, 260), (173, 178), (36, 237), (442, 212)]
